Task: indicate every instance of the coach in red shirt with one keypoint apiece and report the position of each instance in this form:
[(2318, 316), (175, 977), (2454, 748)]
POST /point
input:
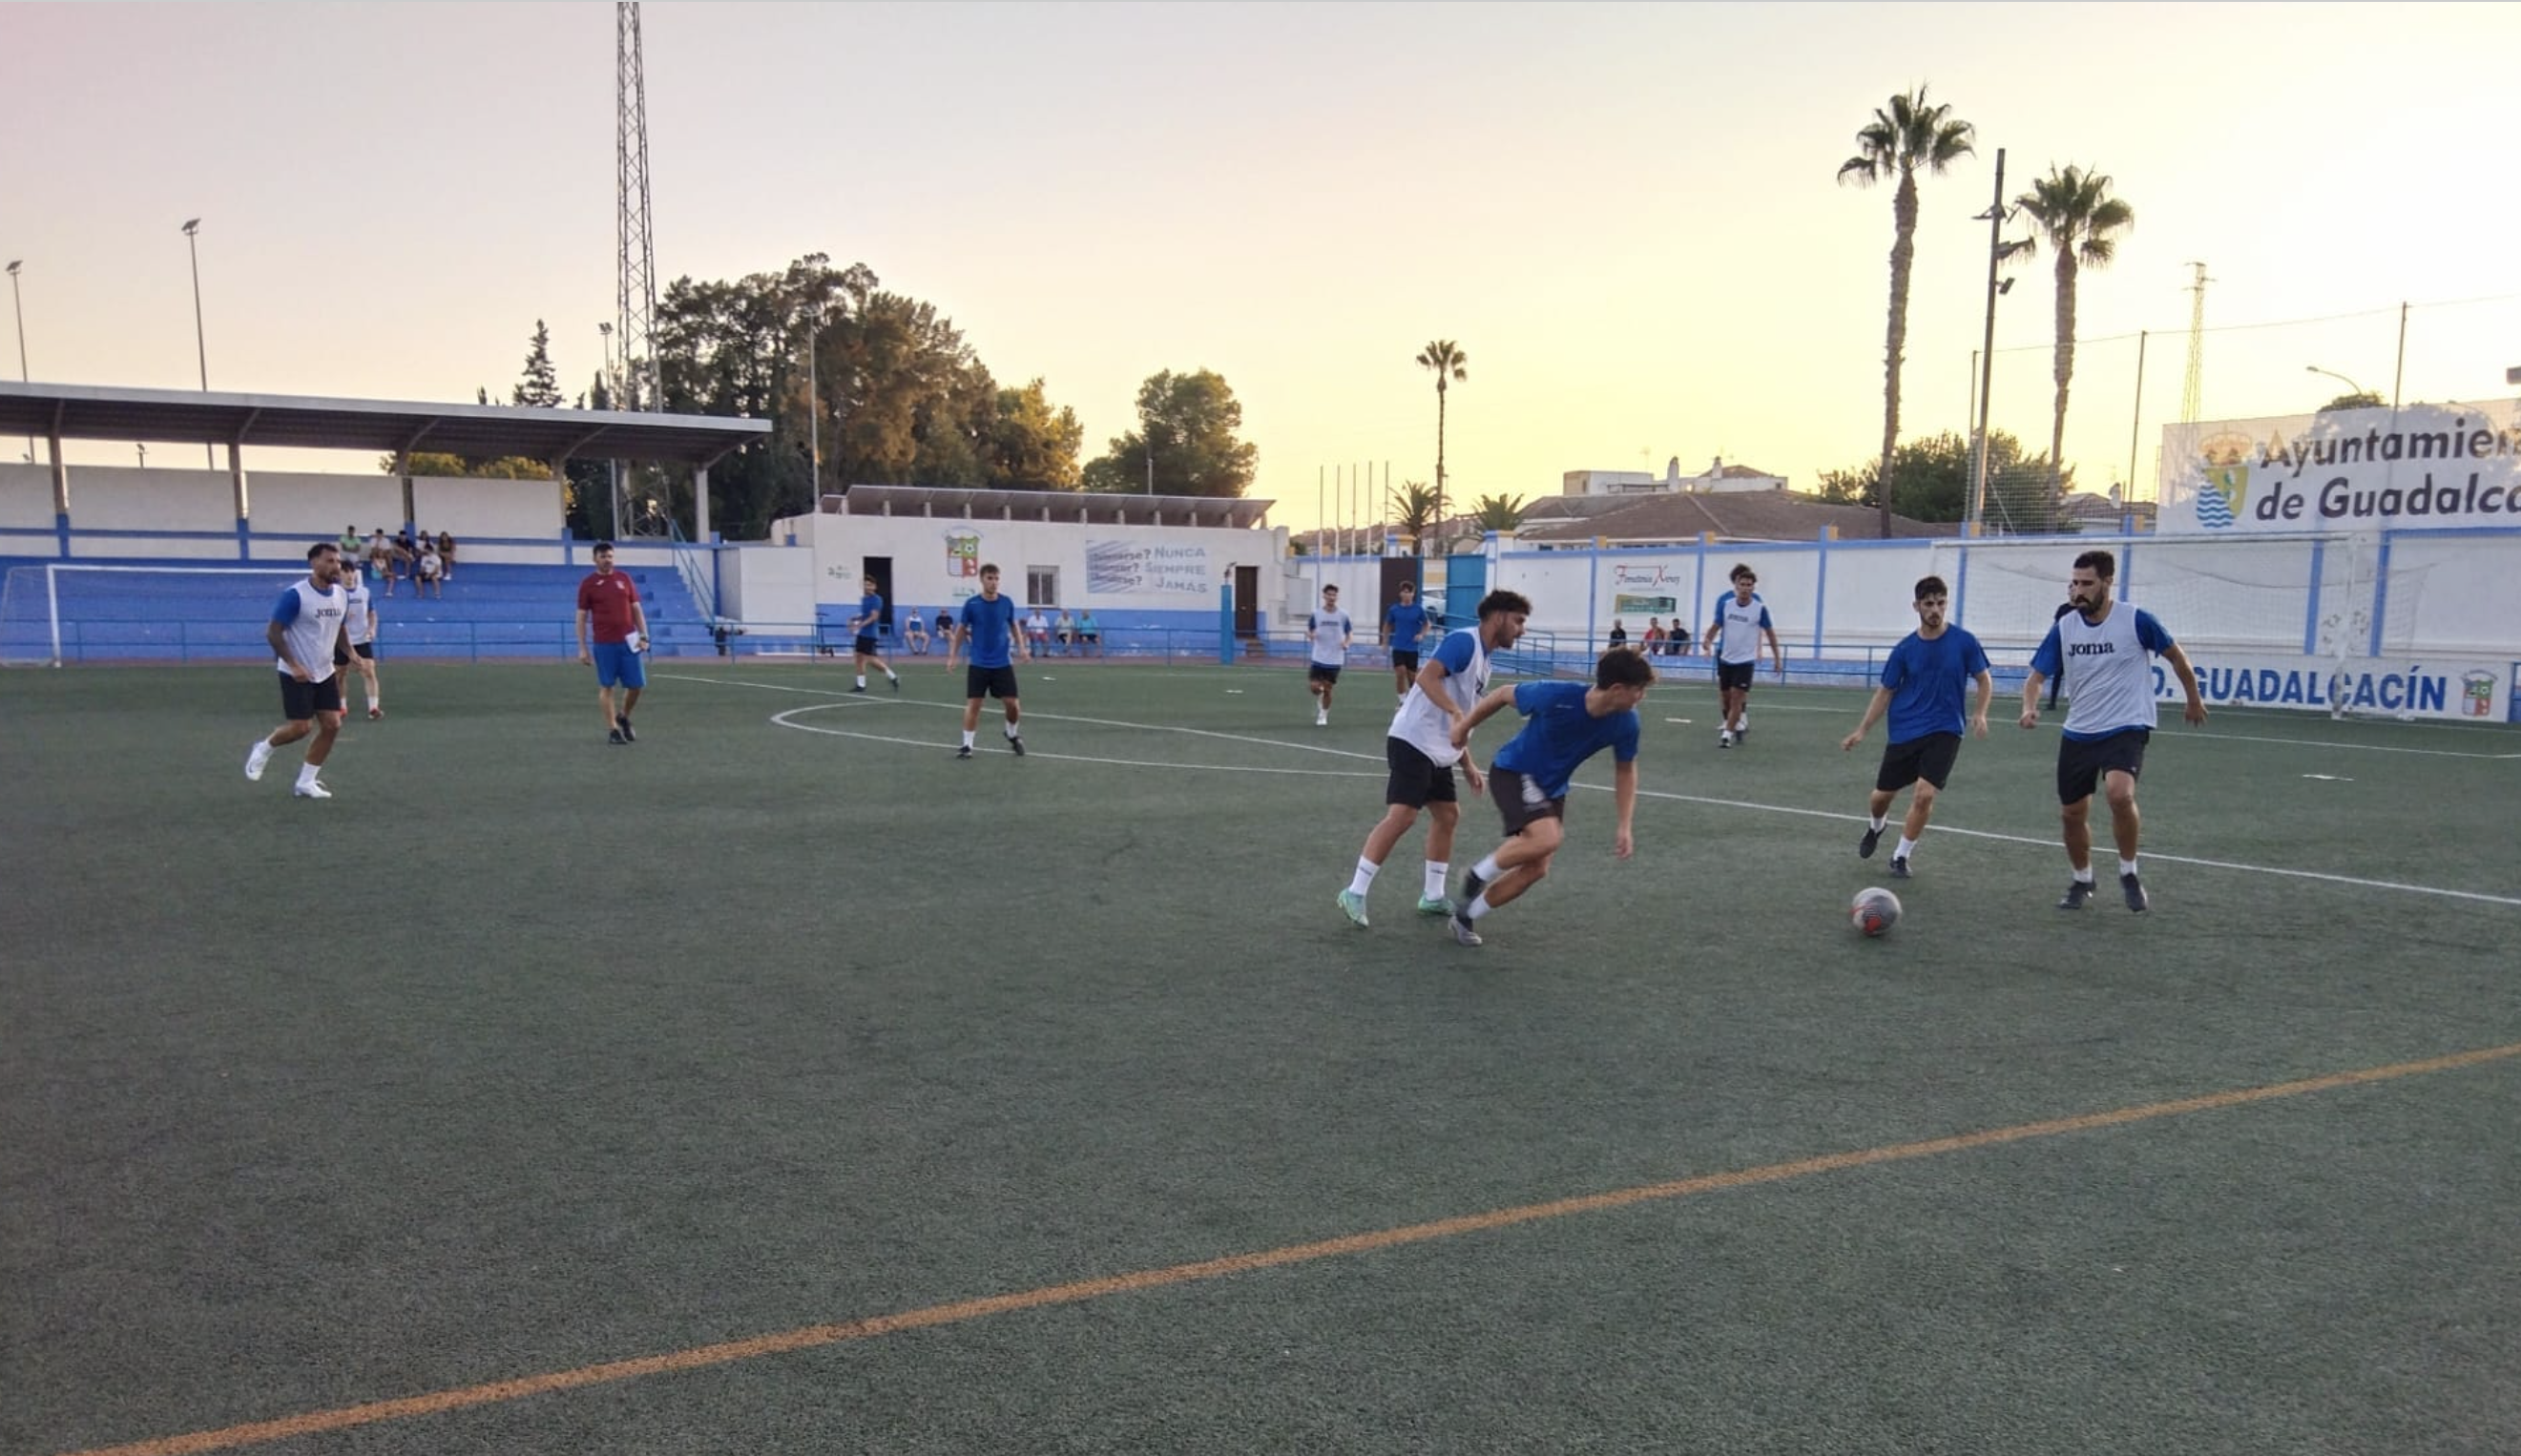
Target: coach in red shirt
[(608, 602)]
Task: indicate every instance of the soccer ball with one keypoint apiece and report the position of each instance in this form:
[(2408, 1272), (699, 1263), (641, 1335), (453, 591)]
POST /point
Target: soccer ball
[(1875, 911)]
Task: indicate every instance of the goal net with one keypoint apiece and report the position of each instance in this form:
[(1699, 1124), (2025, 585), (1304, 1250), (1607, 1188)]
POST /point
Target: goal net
[(2297, 621), (65, 611)]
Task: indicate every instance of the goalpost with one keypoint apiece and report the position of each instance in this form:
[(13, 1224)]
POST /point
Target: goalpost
[(71, 611)]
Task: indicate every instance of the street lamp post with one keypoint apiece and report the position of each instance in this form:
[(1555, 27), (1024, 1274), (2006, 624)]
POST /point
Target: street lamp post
[(201, 342), (2341, 378), (1996, 215), (18, 303)]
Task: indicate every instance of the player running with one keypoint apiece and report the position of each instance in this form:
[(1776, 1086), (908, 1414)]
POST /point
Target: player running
[(1921, 689)]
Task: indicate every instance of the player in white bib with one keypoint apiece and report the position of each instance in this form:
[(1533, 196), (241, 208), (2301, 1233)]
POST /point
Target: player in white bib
[(1736, 626), (1419, 748), (1328, 631), (359, 646), (2109, 719), (305, 627)]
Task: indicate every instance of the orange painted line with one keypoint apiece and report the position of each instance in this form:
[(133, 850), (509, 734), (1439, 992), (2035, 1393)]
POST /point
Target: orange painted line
[(811, 1336)]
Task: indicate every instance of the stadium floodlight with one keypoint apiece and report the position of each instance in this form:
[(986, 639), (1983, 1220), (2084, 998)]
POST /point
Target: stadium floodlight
[(192, 241)]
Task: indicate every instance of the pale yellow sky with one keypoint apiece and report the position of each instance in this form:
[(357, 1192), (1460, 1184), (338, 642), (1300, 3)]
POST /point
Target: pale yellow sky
[(1626, 213)]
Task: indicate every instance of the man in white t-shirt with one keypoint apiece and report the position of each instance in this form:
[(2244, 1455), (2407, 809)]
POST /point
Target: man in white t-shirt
[(304, 628), (1327, 633), (358, 644), (1419, 749), (1740, 621)]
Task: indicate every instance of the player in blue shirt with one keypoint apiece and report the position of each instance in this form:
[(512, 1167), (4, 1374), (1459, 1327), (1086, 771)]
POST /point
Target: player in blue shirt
[(870, 616), (2110, 718), (1921, 689), (1568, 723), (988, 623), (1405, 624)]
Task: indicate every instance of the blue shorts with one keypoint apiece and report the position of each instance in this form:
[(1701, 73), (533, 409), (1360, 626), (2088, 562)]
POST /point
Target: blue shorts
[(617, 666)]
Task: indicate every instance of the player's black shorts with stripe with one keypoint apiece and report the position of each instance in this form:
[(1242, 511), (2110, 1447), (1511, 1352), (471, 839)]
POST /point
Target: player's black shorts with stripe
[(2082, 762), (343, 652), (1735, 675), (864, 645), (1930, 759), (1520, 800), (1417, 780), (988, 682), (301, 701), (1327, 673), (1406, 662)]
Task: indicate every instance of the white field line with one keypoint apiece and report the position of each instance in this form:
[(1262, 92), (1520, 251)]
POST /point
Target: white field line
[(783, 721)]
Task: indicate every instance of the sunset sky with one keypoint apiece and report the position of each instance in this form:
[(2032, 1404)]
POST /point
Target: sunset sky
[(1626, 213)]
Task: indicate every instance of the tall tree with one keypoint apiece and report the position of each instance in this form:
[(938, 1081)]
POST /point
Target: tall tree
[(540, 387), (1906, 137), (1185, 442), (2074, 211), (1027, 445), (1451, 364)]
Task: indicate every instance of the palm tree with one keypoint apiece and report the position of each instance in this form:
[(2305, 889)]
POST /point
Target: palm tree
[(1414, 509), (1500, 513), (1451, 364), (2073, 210), (1905, 136)]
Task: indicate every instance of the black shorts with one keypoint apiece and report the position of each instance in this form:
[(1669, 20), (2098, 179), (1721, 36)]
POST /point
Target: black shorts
[(1416, 779), (1321, 672), (1520, 801), (1406, 662), (864, 645), (1930, 759), (1093, 636), (301, 701), (988, 682), (2083, 762), (367, 649), (1730, 676)]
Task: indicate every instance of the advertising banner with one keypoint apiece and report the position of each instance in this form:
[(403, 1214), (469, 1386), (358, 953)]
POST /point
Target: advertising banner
[(2425, 690), (2352, 470)]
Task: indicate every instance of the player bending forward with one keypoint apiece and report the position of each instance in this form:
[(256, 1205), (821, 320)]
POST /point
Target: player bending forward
[(1421, 750), (1567, 724)]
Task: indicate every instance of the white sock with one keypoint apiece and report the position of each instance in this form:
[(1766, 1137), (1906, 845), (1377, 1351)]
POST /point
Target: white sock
[(861, 680), (2084, 876), (1880, 821), (967, 738), (2127, 866), (1363, 880), (1437, 871), (1485, 869), (1905, 845), (893, 675), (1477, 907), (306, 773), (1011, 733)]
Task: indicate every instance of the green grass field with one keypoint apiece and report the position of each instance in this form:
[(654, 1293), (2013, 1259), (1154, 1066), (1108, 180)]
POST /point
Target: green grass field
[(869, 1101)]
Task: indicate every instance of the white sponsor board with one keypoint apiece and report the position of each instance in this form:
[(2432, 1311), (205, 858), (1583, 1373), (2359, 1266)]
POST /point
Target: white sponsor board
[(2370, 685), (2356, 470)]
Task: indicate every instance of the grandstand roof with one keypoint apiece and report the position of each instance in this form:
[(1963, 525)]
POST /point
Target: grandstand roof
[(309, 423), (1070, 506)]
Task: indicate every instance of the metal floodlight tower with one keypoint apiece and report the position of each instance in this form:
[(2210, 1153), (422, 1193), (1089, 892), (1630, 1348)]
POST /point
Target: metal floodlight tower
[(636, 241), (2193, 388)]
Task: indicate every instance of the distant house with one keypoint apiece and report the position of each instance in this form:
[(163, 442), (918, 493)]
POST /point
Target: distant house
[(1717, 478), (2091, 511), (1684, 516)]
